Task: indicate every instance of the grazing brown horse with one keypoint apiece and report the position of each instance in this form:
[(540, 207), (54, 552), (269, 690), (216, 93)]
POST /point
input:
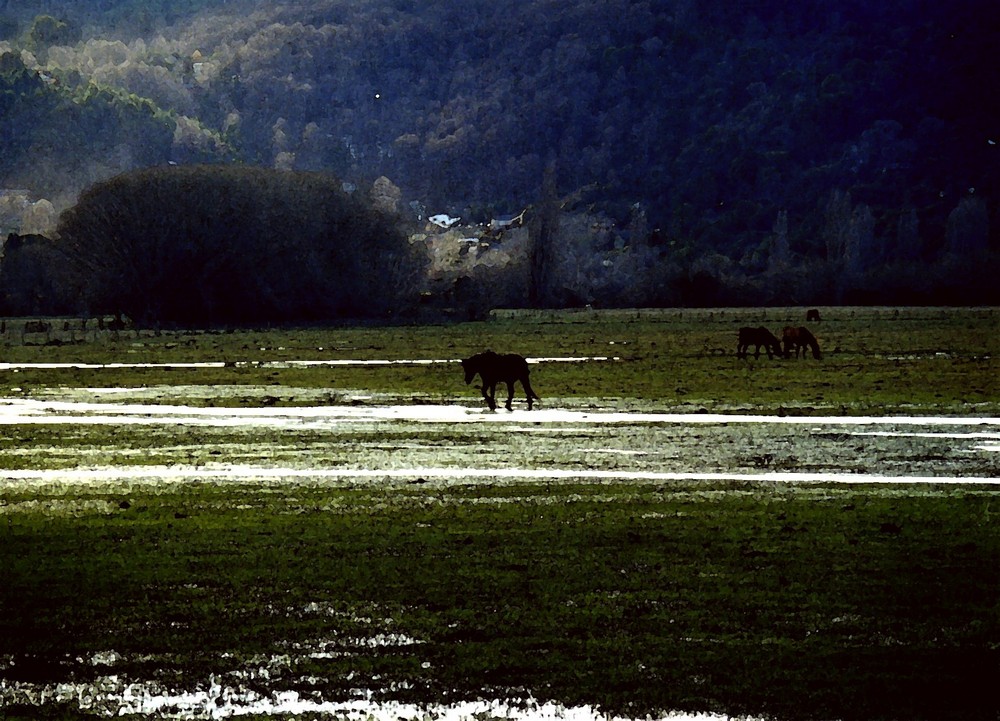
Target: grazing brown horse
[(796, 339), (494, 368), (759, 337)]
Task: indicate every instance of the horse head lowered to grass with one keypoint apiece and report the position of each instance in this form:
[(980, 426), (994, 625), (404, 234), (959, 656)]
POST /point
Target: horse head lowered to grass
[(796, 340), (494, 368), (760, 336)]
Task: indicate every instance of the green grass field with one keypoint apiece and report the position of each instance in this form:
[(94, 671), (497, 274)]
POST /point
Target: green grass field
[(813, 601), (917, 360)]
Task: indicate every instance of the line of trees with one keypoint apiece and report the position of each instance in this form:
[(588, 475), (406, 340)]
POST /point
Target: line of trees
[(222, 245), (195, 245)]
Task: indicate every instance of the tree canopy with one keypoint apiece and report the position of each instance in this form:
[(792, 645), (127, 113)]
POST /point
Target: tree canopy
[(232, 244), (863, 131)]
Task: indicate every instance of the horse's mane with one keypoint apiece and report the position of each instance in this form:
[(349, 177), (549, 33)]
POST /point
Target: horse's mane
[(758, 332)]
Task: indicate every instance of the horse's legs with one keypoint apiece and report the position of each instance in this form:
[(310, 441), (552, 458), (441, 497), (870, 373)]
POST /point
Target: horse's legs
[(489, 394), (756, 353), (510, 394)]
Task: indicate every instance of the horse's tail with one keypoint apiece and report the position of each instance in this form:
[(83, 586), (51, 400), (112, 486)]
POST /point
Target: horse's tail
[(528, 390), (813, 343)]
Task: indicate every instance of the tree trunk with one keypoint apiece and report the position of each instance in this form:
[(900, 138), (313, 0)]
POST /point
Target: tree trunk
[(542, 230)]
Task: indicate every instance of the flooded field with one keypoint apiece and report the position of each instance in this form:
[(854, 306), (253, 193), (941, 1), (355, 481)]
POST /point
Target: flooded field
[(370, 440), (278, 542)]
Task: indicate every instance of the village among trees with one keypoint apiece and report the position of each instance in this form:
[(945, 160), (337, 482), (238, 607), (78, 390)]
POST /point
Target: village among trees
[(229, 161)]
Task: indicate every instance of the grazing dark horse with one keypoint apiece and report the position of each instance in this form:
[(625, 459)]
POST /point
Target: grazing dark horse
[(494, 368), (759, 337), (812, 315), (796, 340)]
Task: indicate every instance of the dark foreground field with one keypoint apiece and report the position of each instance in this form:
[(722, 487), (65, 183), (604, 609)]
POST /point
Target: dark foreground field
[(407, 596), (816, 603)]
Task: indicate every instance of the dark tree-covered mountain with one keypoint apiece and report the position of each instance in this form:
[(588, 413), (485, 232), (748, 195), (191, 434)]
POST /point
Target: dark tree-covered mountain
[(851, 142)]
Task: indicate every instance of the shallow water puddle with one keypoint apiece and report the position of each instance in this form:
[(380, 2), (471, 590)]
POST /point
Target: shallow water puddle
[(448, 444), (284, 363), (251, 474), (238, 693), (28, 410), (111, 695)]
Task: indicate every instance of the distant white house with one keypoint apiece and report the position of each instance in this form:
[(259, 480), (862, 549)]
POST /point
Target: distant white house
[(443, 220)]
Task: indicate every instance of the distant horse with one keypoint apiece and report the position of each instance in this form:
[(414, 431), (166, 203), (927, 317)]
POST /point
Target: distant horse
[(494, 368), (759, 337), (796, 340), (812, 315)]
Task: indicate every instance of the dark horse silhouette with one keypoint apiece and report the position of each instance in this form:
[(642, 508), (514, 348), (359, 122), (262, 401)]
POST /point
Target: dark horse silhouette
[(759, 337), (796, 340), (494, 368), (812, 315)]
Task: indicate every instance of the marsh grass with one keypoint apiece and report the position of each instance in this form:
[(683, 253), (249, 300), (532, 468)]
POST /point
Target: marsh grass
[(829, 603)]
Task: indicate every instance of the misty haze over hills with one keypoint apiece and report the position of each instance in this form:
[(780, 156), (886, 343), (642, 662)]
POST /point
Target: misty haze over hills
[(819, 137)]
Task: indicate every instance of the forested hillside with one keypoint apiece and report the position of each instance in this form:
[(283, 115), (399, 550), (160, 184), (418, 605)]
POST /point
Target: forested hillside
[(823, 150)]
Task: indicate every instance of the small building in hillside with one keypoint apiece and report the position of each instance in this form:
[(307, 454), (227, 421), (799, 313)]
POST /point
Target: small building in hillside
[(502, 222), (443, 220)]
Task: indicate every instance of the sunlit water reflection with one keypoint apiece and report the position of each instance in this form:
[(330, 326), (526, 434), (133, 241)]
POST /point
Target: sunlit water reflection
[(598, 444), (111, 696), (333, 362)]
